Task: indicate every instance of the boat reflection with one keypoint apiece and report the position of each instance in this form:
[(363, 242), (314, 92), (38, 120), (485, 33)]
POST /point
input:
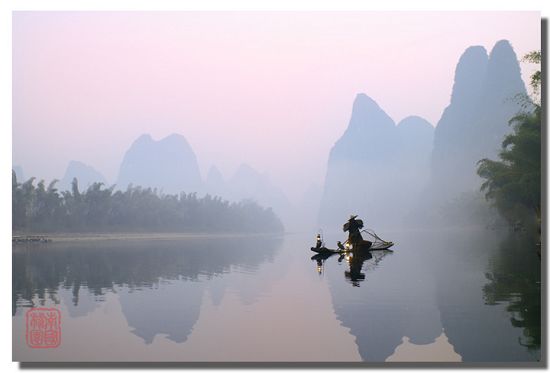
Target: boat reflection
[(358, 262)]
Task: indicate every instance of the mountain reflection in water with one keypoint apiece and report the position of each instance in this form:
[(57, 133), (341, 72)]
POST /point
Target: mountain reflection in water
[(479, 289), (160, 283), (455, 295)]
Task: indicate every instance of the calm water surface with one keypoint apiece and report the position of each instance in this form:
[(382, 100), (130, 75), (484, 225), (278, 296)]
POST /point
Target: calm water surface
[(470, 296)]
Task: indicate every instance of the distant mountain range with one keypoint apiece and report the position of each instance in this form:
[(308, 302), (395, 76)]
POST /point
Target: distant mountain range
[(379, 170), (375, 166), (86, 176), (170, 165), (484, 99), (247, 183)]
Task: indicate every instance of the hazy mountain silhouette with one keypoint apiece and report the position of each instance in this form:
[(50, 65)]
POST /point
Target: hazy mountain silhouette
[(368, 132), (215, 184), (363, 146), (247, 183), (372, 163), (379, 170), (169, 165), (415, 139), (86, 176), (472, 127)]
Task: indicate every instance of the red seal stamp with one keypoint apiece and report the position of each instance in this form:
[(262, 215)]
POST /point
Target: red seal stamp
[(43, 329)]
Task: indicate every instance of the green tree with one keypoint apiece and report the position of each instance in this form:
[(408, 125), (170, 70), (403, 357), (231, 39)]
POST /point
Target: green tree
[(43, 208), (513, 183), (535, 57)]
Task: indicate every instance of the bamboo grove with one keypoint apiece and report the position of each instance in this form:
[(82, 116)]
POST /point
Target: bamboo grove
[(43, 208)]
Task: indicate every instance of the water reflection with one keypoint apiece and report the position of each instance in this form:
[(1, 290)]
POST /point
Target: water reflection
[(478, 291), (394, 299), (480, 279), (514, 280), (170, 309), (160, 284), (356, 262), (449, 295)]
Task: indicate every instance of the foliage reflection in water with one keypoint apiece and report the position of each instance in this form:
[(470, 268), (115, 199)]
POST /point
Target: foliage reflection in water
[(477, 290)]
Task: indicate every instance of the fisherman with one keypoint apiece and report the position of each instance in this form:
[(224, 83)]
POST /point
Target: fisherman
[(354, 226), (319, 241)]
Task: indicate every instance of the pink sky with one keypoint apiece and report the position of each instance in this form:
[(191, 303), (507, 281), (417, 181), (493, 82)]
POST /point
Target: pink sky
[(273, 90)]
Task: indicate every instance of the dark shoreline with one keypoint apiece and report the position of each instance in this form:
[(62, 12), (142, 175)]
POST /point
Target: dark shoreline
[(67, 237)]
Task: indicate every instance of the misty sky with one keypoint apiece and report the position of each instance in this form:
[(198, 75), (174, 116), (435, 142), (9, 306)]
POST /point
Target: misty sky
[(273, 90)]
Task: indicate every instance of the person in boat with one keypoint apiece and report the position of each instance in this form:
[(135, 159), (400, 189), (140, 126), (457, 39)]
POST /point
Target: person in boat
[(353, 227), (318, 241), (319, 244)]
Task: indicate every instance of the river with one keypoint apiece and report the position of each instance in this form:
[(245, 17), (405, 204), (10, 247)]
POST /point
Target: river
[(439, 296)]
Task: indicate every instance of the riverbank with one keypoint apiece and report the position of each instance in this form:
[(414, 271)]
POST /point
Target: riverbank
[(71, 237)]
